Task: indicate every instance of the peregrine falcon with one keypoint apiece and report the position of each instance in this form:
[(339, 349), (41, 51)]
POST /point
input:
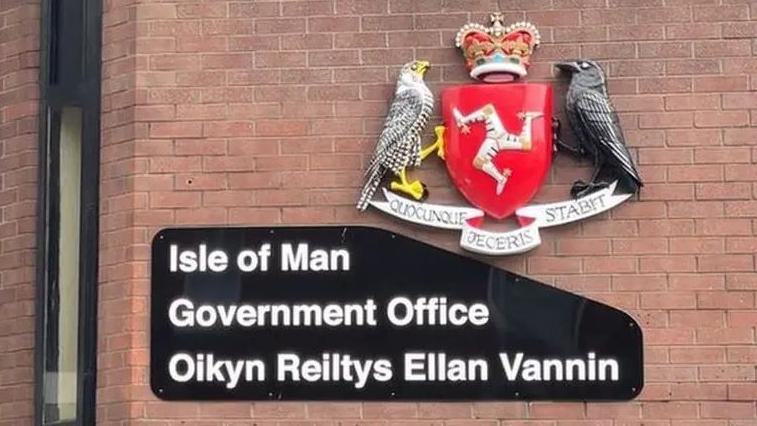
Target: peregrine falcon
[(399, 145), (597, 128)]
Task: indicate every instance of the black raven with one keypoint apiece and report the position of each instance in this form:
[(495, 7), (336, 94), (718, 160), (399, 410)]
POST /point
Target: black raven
[(596, 126)]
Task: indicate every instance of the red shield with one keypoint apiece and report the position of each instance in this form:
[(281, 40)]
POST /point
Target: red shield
[(498, 143)]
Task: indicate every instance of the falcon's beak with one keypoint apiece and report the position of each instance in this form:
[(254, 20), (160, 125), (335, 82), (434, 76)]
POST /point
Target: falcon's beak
[(421, 67), (568, 66)]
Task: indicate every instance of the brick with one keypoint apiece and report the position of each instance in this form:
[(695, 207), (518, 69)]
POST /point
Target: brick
[(253, 43), (665, 120), (737, 172), (173, 28), (739, 30), (307, 8), (740, 208), (698, 391), (580, 34), (660, 300), (305, 41), (665, 156), (667, 373), (607, 50), (337, 410), (328, 58), (361, 40), (696, 355), (720, 13), (695, 209), (670, 410), (200, 44), (636, 32), (670, 263), (556, 410), (174, 199), (741, 245), (721, 155), (201, 10), (695, 173), (198, 112), (333, 24), (406, 6), (332, 93), (226, 61), (720, 84), (723, 191), (554, 18), (742, 391), (640, 246), (253, 9), (669, 191), (200, 78), (714, 336), (722, 263), (541, 265), (175, 130), (680, 67), (738, 65), (724, 48), (609, 264), (683, 31), (727, 373), (745, 354), (664, 14), (636, 68), (696, 245), (499, 410), (227, 129), (725, 300), (281, 127), (724, 226), (692, 102), (608, 16), (739, 101)]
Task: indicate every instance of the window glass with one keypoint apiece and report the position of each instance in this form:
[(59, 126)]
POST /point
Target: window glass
[(63, 301)]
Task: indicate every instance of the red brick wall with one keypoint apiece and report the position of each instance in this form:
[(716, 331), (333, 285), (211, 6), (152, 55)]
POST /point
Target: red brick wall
[(264, 112), (19, 99)]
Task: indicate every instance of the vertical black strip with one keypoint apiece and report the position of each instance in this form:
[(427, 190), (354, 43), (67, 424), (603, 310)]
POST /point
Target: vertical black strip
[(90, 178), (52, 304), (73, 80)]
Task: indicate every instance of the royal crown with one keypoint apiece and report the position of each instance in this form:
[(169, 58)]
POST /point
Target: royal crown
[(497, 53)]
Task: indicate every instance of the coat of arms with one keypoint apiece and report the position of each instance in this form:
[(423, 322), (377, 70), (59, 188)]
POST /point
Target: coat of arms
[(497, 142)]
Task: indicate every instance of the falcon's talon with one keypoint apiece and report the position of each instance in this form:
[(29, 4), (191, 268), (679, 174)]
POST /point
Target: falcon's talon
[(415, 189)]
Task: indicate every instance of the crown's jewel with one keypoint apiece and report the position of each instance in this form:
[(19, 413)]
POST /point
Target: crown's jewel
[(497, 53)]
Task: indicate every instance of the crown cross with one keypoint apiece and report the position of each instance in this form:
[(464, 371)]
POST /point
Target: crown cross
[(497, 28)]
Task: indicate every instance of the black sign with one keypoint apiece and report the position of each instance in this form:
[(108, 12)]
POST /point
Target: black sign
[(355, 313)]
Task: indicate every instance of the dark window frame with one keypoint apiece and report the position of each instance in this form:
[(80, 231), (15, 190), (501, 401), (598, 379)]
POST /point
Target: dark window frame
[(81, 89)]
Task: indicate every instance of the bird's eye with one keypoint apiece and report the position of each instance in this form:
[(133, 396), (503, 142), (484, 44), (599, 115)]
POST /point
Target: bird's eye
[(413, 67), (584, 65)]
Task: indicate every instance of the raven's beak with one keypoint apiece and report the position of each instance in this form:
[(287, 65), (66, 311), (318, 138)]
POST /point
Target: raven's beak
[(568, 66), (421, 67)]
